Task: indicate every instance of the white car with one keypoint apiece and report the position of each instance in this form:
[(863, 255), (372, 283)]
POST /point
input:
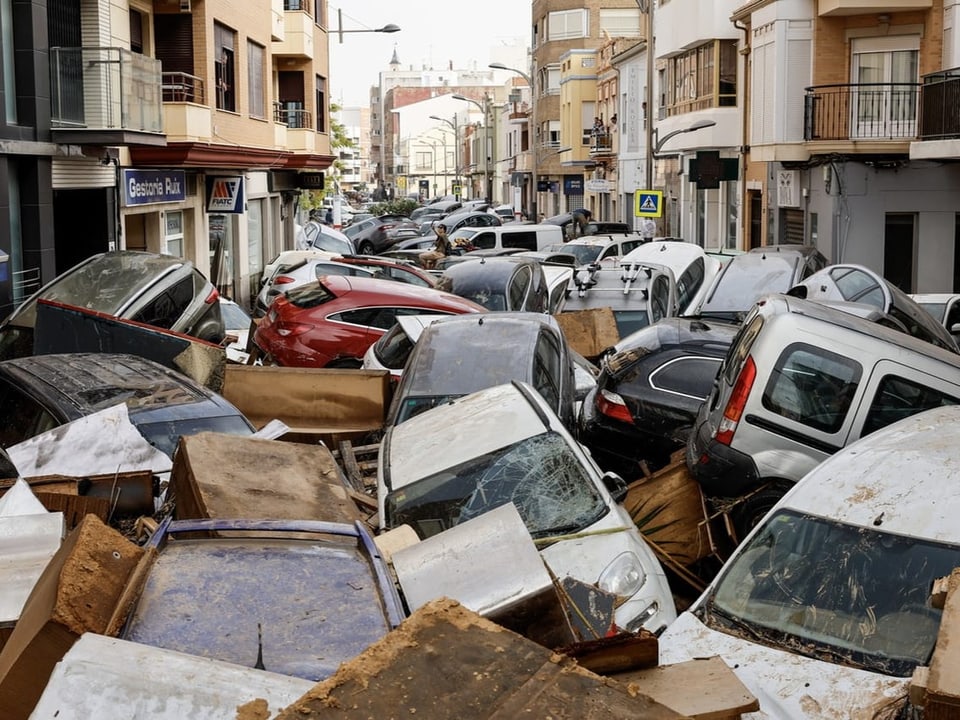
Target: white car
[(391, 351), (317, 236), (237, 324), (693, 269), (824, 610), (945, 309), (505, 444)]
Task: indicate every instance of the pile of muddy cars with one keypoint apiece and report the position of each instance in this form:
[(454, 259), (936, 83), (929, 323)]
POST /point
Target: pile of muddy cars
[(727, 493)]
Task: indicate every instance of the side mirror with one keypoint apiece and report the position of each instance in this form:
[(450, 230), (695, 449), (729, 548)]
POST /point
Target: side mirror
[(616, 485)]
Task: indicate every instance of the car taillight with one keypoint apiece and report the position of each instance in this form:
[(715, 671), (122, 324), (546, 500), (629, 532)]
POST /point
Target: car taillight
[(613, 406), (283, 280), (213, 297), (291, 329), (737, 402)]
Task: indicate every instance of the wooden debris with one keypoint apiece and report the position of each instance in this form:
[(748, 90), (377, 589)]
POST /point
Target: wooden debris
[(943, 681)]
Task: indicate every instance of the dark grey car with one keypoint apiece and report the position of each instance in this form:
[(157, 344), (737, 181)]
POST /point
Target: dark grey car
[(505, 283), (159, 290), (457, 356), (41, 392)]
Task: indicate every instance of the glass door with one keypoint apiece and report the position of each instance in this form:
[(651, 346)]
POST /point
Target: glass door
[(884, 93)]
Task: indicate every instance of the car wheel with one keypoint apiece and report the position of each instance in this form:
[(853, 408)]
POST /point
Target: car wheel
[(350, 363), (748, 513), (366, 248)]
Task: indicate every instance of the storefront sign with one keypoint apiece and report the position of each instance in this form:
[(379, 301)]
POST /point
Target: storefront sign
[(145, 187), (225, 194), (573, 184), (599, 186)]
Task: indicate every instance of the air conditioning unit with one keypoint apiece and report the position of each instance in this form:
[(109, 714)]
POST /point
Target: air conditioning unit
[(185, 6)]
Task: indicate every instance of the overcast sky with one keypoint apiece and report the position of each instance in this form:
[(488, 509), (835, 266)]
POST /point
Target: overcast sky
[(432, 32)]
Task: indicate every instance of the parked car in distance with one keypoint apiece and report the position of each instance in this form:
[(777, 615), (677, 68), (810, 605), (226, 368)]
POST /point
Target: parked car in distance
[(751, 275), (470, 218), (594, 227), (265, 589), (41, 392), (693, 269), (317, 236), (824, 610), (589, 250), (638, 294), (370, 236), (302, 273), (499, 283), (289, 259), (505, 444), (456, 356), (945, 309), (160, 290), (519, 236), (332, 322), (649, 392), (802, 380), (506, 212), (846, 282)]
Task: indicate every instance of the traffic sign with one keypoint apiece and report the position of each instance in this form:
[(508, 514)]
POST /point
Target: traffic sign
[(648, 203)]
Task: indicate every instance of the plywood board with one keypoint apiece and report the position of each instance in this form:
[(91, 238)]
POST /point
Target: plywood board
[(590, 332), (943, 681)]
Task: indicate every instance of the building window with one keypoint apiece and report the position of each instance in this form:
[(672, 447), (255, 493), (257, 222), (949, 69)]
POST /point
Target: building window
[(7, 60), (318, 17), (702, 78), (173, 233), (225, 67), (257, 102), (568, 24), (136, 32), (321, 104), (621, 22)]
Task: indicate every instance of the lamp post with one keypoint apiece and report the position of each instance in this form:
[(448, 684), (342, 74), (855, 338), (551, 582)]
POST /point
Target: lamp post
[(487, 150), (388, 28), (456, 146), (534, 160), (646, 6), (659, 142)]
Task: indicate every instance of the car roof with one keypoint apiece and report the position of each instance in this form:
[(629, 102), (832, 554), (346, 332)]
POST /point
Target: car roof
[(484, 269), (391, 292), (898, 479), (463, 354), (84, 383), (430, 442), (746, 278)]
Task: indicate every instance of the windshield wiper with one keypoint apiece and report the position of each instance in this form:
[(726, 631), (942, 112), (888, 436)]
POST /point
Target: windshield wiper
[(737, 623)]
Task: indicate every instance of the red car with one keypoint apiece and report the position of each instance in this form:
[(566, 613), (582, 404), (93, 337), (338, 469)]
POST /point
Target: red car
[(332, 322)]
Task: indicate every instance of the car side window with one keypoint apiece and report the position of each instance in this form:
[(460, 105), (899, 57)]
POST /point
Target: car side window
[(360, 316), (628, 245), (165, 309), (546, 369), (690, 282), (611, 251), (518, 288), (812, 386), (659, 298), (690, 376), (22, 417), (525, 240), (898, 398), (483, 240), (406, 277)]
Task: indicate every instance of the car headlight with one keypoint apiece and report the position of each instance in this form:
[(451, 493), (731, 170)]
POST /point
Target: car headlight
[(624, 576)]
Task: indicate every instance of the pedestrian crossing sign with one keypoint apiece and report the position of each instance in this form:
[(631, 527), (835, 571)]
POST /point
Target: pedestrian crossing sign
[(648, 203)]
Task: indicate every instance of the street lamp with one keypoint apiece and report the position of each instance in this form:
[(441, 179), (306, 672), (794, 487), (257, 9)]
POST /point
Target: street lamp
[(388, 28), (534, 161), (456, 145), (660, 142), (487, 151)]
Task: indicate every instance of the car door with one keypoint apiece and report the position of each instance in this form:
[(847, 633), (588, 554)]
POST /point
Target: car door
[(23, 416)]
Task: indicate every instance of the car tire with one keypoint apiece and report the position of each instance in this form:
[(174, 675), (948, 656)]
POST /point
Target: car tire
[(346, 362), (748, 513), (366, 248)]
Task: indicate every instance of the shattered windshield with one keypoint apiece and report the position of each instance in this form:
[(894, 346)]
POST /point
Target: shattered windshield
[(843, 594), (540, 475)]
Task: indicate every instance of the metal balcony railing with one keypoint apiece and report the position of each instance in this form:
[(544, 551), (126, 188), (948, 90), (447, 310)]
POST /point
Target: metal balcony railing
[(864, 111), (181, 87), (940, 105), (104, 88), (294, 118), (601, 144)]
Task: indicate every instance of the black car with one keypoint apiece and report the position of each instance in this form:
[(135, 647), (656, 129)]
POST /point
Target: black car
[(502, 283), (649, 391), (594, 227), (41, 392)]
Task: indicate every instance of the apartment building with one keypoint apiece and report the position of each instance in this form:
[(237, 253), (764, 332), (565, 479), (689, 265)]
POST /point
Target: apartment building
[(180, 126), (354, 167), (853, 133)]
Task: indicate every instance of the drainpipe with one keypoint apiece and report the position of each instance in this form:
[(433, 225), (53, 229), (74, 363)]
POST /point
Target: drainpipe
[(744, 136)]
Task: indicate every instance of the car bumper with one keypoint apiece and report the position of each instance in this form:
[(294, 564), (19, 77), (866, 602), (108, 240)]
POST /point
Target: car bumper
[(720, 470)]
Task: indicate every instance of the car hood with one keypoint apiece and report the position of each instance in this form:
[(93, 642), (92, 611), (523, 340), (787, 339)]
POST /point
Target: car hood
[(787, 685)]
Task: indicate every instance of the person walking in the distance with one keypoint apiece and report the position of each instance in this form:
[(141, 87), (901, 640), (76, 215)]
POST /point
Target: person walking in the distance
[(578, 221), (441, 248), (648, 229)]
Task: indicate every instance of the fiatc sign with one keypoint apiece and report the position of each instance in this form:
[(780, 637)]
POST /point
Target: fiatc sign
[(225, 194), (145, 187)]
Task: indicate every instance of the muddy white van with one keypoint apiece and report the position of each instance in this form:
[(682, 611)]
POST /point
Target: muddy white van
[(801, 381), (824, 610), (520, 236)]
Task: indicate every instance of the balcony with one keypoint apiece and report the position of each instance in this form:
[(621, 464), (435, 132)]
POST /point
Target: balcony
[(601, 146), (276, 20), (298, 28), (832, 8), (939, 117), (877, 117), (105, 96), (300, 135), (186, 116)]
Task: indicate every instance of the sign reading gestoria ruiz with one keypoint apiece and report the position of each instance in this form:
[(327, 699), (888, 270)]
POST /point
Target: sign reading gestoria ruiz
[(144, 187)]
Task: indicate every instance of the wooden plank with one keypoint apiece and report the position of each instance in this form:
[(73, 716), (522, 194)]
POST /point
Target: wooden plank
[(943, 686), (129, 493), (75, 507), (668, 507), (705, 688), (349, 463)]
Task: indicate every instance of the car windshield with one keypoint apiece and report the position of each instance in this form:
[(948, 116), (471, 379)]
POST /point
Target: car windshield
[(585, 254), (540, 475), (234, 318), (743, 283), (166, 434), (936, 310), (844, 594), (310, 295), (415, 405)]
